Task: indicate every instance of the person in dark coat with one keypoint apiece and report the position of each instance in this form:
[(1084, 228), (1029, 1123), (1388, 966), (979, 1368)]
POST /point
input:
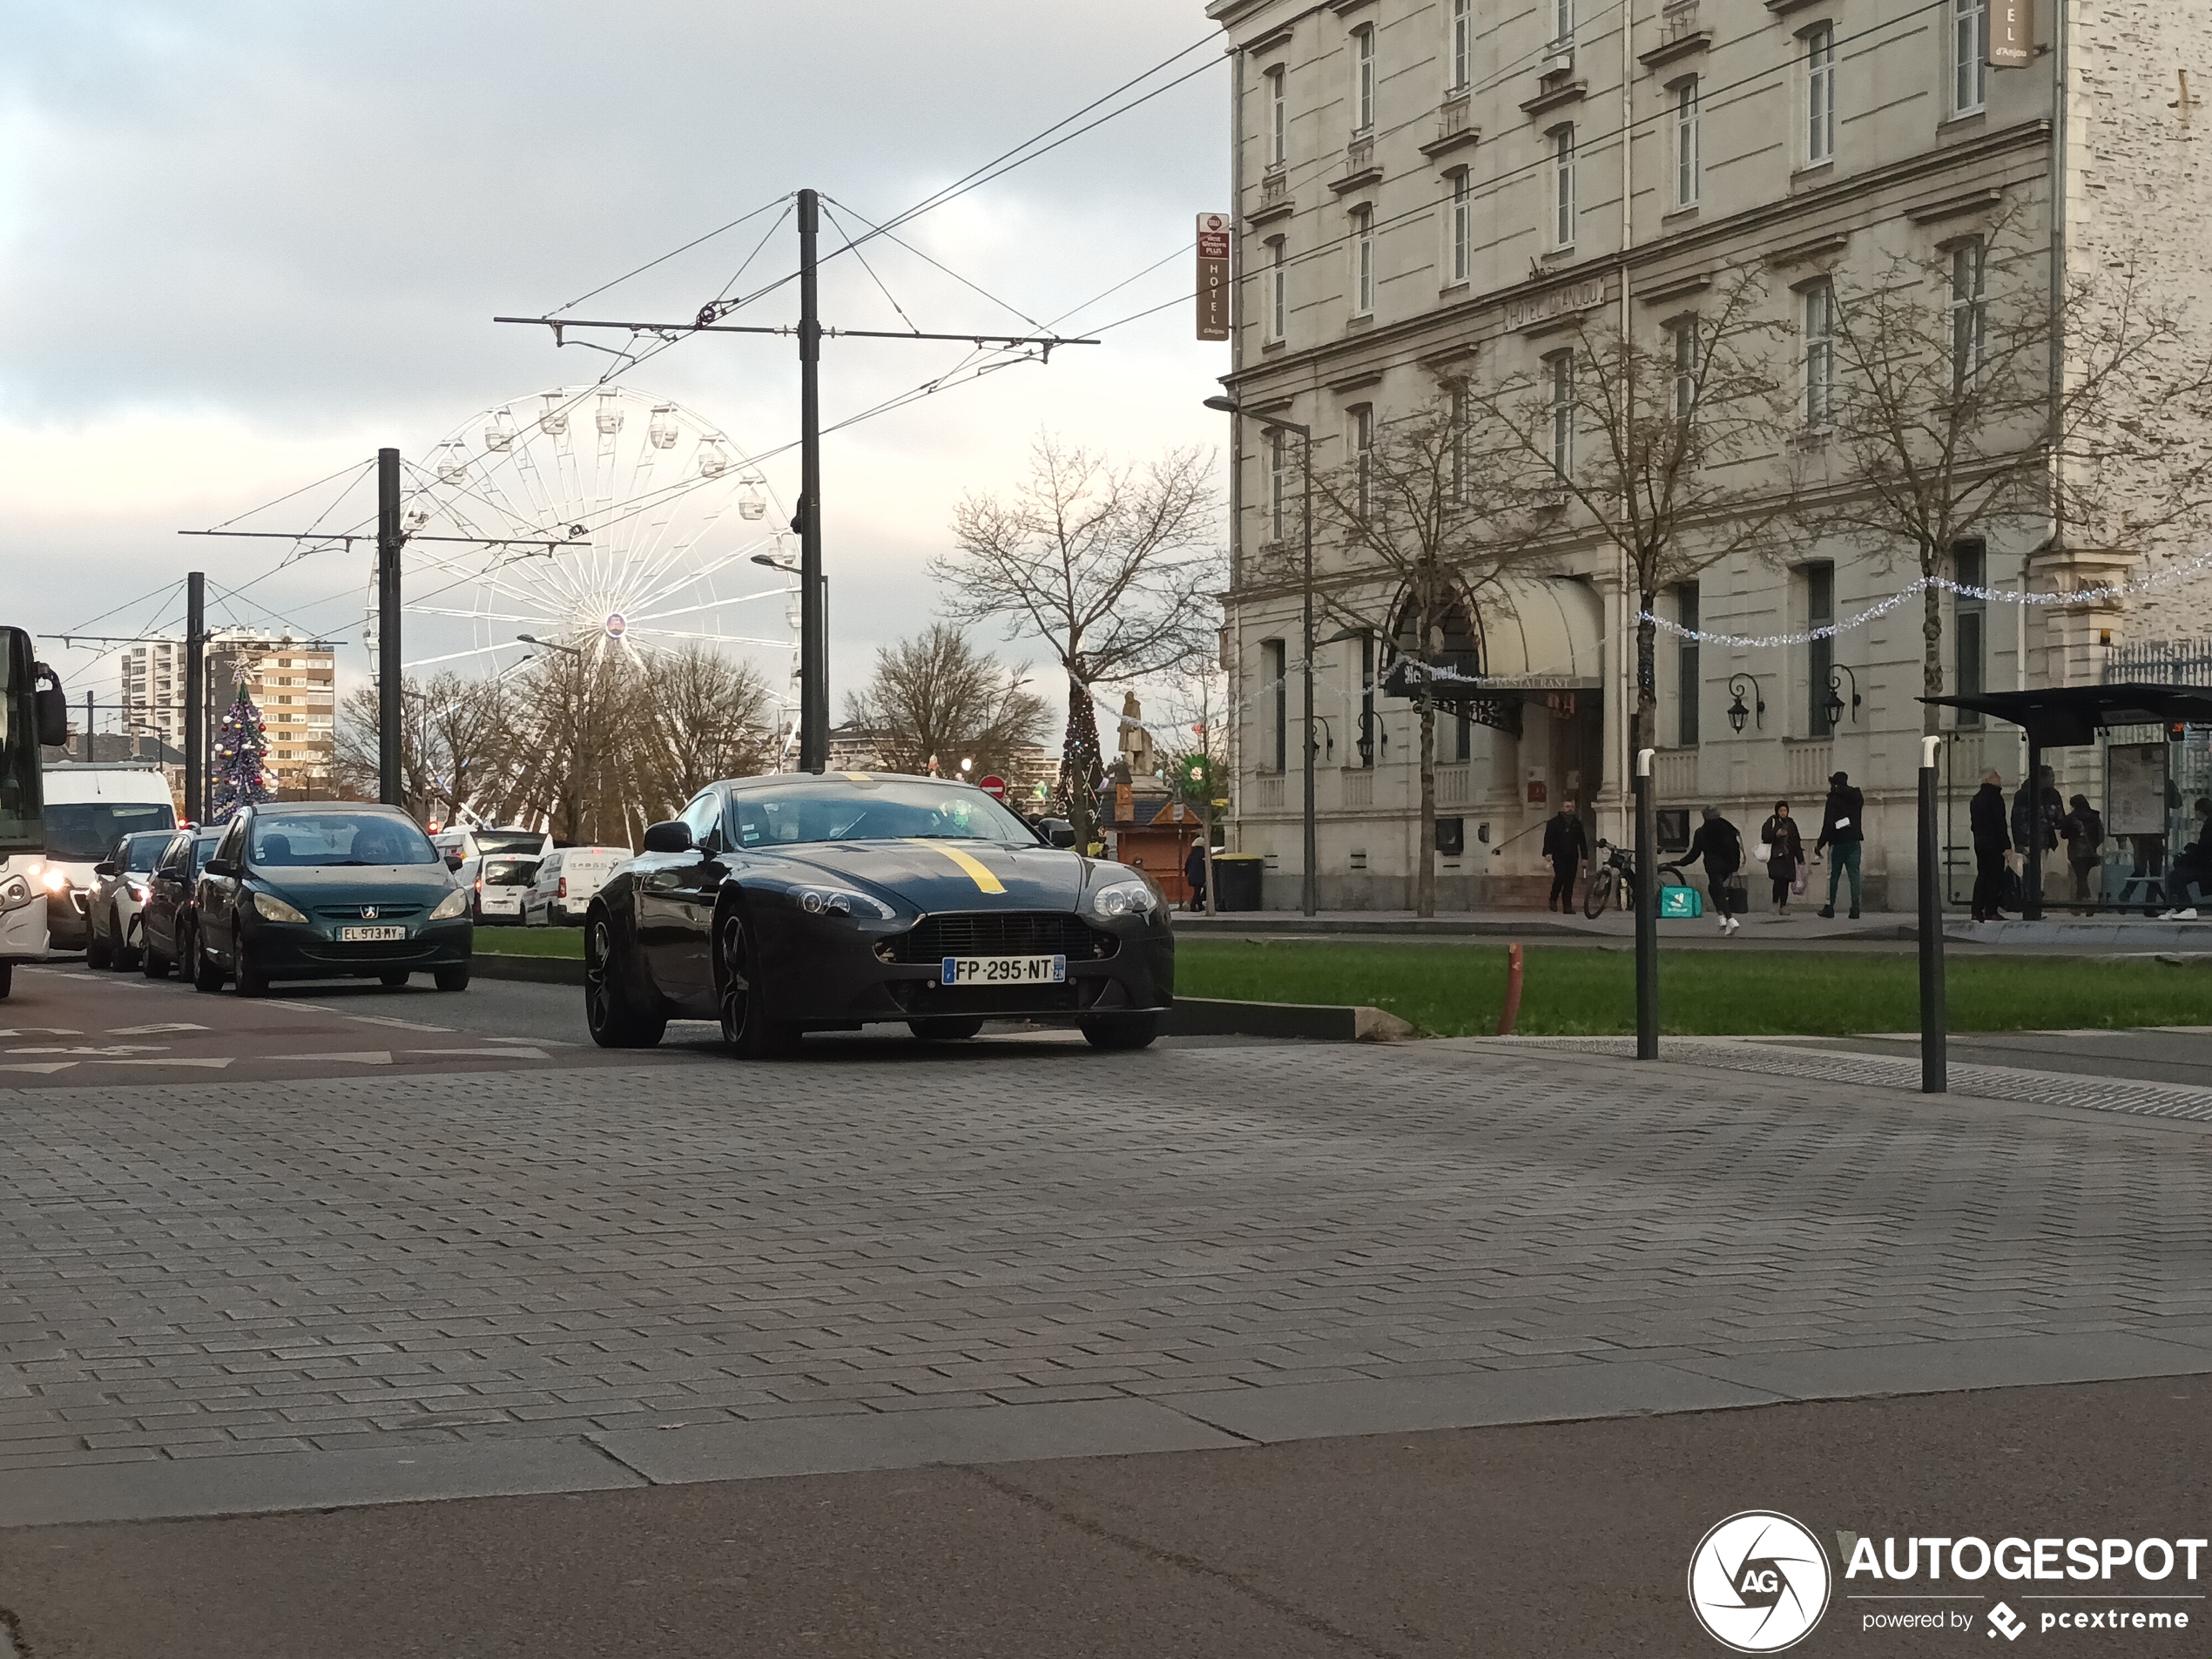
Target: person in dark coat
[(1842, 826), (1566, 844), (2192, 864), (1194, 874), (1985, 817), (2083, 831), (2035, 820), (1721, 845), (1785, 851)]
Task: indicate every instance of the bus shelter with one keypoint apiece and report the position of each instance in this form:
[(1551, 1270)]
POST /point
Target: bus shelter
[(2156, 744)]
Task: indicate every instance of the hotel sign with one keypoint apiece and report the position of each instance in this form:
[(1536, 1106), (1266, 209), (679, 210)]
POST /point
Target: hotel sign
[(1213, 275), (2012, 33)]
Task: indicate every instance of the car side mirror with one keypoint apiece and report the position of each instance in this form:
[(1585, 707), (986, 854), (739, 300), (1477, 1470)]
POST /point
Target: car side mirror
[(1064, 837), (672, 837), (106, 867), (221, 867), (51, 707)]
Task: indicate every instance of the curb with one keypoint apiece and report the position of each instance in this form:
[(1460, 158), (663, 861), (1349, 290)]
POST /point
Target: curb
[(1205, 1017)]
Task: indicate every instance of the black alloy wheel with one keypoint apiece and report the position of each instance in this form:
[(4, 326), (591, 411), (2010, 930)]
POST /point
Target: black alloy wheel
[(247, 980), (745, 1025), (98, 952), (945, 1029), (206, 972), (609, 1011), (126, 958), (151, 963), (1120, 1033)]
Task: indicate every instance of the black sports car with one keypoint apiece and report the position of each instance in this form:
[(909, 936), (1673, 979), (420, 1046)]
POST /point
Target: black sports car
[(792, 903)]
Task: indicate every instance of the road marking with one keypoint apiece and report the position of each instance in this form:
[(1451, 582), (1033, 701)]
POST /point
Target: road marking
[(205, 1064), (404, 1025), (364, 1057), (50, 1065), (43, 1031), (151, 1030), (486, 1054), (977, 871), (99, 1049)]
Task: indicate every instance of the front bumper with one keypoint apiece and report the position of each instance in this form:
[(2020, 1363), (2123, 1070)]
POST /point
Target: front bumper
[(66, 922), (816, 971), (312, 950), (23, 934)]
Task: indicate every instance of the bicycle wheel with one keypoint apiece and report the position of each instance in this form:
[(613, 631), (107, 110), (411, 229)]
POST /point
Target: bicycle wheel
[(1599, 893)]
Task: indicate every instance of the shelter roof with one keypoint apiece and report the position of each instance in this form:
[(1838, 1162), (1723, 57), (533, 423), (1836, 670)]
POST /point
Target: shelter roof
[(2064, 716)]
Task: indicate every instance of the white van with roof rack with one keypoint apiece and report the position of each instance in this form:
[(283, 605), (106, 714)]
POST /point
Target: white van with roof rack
[(89, 807)]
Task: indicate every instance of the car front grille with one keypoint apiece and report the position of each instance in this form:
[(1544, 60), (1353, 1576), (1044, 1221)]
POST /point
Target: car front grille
[(999, 933), (385, 912)]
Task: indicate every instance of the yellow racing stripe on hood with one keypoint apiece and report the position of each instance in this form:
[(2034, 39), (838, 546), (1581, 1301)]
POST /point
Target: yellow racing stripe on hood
[(976, 870)]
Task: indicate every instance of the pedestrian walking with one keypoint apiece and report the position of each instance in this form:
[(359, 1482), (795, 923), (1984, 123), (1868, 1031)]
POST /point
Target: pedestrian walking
[(1194, 874), (2192, 867), (1985, 817), (1785, 851), (2083, 831), (2035, 819), (1843, 828), (1721, 845), (1566, 844)]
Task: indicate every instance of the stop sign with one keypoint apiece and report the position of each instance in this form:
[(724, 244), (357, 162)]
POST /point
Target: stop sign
[(994, 787)]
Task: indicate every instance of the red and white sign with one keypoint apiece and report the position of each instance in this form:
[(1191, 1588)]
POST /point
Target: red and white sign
[(1213, 276), (994, 787)]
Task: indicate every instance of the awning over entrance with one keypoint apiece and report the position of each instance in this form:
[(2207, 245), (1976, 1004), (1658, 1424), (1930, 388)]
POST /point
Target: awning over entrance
[(1535, 634), (2064, 716)]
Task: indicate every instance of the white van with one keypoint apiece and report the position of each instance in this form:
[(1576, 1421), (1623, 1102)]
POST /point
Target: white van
[(496, 865), (567, 877), (90, 806)]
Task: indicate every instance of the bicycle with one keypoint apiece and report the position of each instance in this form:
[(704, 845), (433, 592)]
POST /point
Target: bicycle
[(1615, 873)]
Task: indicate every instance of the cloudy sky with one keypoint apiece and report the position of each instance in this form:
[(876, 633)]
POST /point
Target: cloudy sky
[(248, 241)]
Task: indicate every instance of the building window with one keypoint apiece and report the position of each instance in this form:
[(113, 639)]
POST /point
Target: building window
[(1969, 314), (1560, 366), (1563, 169), (1278, 314), (1363, 261), (1279, 484), (1820, 654), (1686, 167), (1684, 334), (1819, 354), (1562, 22), (1370, 738), (1686, 671), (1362, 434), (1969, 628), (1458, 436), (1278, 120), (1820, 94), (1363, 81), (1462, 45), (1274, 699), (1969, 56), (1462, 252)]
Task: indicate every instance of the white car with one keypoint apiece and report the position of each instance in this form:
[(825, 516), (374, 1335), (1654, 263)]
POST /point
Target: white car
[(123, 882), (567, 878), (495, 864), (503, 881), (89, 809)]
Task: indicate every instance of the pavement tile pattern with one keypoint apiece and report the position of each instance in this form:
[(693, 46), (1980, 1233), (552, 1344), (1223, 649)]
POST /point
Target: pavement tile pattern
[(203, 1270)]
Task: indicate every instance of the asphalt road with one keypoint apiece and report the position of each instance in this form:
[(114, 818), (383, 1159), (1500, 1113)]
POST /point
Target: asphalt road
[(1569, 1539)]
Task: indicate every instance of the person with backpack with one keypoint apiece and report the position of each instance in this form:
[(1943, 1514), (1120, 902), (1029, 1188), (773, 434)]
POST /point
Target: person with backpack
[(1843, 828), (1721, 845), (1985, 817), (2083, 831)]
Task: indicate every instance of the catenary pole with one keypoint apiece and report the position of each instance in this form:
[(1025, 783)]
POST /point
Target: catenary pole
[(195, 695), (387, 628), (1646, 896), (1934, 1056), (813, 619), (1309, 891)]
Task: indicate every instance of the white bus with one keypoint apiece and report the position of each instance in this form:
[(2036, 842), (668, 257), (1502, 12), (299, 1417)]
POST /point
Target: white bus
[(29, 716)]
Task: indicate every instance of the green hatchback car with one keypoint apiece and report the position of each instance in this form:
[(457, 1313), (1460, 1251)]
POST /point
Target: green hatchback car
[(328, 890)]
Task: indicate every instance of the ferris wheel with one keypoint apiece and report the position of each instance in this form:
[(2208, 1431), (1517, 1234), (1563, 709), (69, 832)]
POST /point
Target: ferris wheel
[(635, 527)]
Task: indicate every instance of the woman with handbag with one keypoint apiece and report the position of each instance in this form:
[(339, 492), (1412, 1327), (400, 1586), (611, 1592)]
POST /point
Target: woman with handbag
[(1782, 850), (1721, 844)]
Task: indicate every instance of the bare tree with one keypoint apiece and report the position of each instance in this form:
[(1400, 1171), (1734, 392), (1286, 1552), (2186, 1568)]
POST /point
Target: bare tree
[(936, 699), (1425, 505), (700, 718), (466, 734), (1105, 564), (1646, 445), (357, 759), (1947, 422)]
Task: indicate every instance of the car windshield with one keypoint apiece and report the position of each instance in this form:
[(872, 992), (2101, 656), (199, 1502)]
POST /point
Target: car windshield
[(83, 832), (509, 872), (142, 852), (282, 839), (886, 811)]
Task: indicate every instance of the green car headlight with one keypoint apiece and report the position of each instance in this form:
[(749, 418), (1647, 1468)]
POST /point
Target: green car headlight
[(275, 909), (453, 904)]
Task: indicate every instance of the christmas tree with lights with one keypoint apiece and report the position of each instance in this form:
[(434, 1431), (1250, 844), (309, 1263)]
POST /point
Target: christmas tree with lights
[(241, 759)]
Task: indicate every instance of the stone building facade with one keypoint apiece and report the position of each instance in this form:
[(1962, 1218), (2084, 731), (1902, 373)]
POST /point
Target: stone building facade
[(1425, 185)]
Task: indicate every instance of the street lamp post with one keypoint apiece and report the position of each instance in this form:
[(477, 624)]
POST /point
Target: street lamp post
[(1308, 893)]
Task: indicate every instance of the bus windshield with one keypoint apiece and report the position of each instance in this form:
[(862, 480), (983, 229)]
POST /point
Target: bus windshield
[(21, 789)]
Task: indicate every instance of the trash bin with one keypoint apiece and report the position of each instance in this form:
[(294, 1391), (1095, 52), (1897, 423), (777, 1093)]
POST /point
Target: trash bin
[(1235, 881)]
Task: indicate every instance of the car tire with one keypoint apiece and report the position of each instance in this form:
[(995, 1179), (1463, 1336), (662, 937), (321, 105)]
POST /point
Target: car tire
[(98, 952), (248, 980), (611, 1013), (1122, 1032), (392, 982), (944, 1030), (745, 1026), (152, 963), (125, 958), (451, 979), (7, 979), (207, 973)]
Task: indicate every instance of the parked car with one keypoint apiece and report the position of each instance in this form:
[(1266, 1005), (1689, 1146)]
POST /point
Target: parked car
[(328, 890), (89, 808), (500, 884), (568, 879), (122, 882), (496, 865), (166, 924)]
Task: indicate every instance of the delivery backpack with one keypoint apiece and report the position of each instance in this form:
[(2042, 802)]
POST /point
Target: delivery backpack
[(1680, 903)]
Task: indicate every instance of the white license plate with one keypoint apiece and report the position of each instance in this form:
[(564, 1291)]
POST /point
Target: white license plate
[(368, 935), (1004, 971)]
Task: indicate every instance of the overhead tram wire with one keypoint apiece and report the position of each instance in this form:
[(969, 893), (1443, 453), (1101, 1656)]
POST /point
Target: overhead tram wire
[(785, 200)]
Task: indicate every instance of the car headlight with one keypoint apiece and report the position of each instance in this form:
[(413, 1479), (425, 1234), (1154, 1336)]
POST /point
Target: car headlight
[(1124, 898), (275, 909), (57, 880), (15, 893), (453, 904), (138, 890), (840, 901)]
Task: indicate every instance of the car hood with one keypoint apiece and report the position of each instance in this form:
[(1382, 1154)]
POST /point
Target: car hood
[(346, 884), (932, 876)]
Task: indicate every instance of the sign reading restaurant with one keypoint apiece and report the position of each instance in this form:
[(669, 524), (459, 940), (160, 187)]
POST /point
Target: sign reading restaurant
[(1552, 303)]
